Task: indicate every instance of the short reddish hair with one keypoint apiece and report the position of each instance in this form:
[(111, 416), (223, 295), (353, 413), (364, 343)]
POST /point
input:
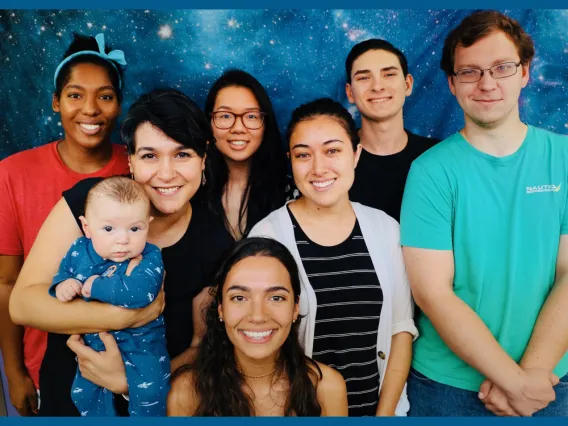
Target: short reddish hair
[(480, 24)]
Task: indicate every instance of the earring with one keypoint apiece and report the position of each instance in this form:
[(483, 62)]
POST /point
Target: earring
[(132, 176), (294, 320), (203, 179), (220, 318)]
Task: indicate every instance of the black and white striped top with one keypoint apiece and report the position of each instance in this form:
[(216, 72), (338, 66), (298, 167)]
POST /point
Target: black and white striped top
[(349, 301)]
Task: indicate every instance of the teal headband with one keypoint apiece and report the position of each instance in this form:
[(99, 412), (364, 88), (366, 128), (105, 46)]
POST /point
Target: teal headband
[(115, 58)]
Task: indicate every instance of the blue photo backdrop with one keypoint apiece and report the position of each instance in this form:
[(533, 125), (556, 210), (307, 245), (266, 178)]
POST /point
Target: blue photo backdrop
[(297, 54)]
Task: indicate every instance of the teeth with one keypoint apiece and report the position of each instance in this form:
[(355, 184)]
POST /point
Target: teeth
[(323, 184), (238, 143), (90, 126), (168, 190), (257, 335), (376, 101)]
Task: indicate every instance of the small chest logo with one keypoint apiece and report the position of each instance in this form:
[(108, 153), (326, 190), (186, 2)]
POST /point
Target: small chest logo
[(543, 188), (110, 271)]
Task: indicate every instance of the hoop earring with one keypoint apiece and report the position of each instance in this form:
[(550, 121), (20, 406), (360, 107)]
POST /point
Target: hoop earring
[(203, 178)]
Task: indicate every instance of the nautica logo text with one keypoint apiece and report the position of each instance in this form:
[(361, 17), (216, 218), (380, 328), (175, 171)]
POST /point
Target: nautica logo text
[(543, 188)]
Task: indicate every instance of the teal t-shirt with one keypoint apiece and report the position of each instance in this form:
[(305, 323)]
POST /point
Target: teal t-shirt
[(502, 217)]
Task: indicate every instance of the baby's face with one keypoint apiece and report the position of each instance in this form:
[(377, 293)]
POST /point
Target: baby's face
[(118, 230)]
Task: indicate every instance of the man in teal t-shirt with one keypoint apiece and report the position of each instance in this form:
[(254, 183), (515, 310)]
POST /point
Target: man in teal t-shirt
[(484, 227)]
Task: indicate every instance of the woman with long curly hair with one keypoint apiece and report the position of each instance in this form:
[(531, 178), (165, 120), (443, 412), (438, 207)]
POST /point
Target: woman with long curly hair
[(250, 361)]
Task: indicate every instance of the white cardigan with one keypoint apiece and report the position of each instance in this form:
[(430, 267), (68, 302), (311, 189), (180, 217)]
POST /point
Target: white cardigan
[(382, 237)]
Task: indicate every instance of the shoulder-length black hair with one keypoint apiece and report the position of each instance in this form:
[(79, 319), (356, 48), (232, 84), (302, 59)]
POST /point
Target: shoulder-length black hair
[(173, 113), (217, 379), (266, 186)]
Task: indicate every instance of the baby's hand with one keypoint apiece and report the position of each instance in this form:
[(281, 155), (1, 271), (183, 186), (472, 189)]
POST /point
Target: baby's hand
[(88, 285), (134, 262), (68, 289)]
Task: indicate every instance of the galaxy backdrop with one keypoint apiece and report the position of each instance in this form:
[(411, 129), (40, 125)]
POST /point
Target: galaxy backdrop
[(298, 55)]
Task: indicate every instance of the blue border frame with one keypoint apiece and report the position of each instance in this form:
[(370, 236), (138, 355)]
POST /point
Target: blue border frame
[(289, 4)]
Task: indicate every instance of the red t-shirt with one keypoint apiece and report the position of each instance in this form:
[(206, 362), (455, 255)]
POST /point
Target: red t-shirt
[(31, 183)]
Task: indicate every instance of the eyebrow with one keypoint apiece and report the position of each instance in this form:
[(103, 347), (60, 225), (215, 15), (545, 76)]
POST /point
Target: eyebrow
[(498, 61), (301, 145), (79, 87), (247, 289), (389, 68), (246, 109), (150, 149)]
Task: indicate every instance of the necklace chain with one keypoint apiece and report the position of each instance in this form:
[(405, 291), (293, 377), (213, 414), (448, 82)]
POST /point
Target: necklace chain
[(258, 377)]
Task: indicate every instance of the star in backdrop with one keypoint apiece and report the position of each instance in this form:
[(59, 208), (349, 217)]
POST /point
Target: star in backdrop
[(298, 55)]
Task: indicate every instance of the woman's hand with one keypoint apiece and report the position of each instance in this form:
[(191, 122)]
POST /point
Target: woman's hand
[(105, 368)]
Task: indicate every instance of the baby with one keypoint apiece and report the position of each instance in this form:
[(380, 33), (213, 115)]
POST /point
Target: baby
[(114, 264)]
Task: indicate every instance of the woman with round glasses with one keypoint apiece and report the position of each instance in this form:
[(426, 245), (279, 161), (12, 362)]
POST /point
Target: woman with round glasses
[(247, 165)]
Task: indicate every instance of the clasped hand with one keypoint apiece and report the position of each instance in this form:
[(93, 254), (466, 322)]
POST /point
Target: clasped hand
[(534, 392)]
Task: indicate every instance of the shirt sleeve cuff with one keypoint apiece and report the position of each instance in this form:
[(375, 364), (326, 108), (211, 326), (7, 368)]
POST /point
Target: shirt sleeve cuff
[(407, 326)]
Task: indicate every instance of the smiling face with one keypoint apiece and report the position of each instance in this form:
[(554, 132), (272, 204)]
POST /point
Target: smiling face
[(88, 106), (117, 230), (323, 160), (169, 172), (378, 86), (237, 143), (258, 308), (489, 102)]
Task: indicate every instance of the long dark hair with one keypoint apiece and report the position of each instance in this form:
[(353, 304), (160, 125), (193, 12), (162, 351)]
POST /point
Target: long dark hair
[(217, 379), (265, 190)]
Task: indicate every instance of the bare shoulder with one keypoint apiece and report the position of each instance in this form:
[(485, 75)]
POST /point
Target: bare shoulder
[(332, 392), (182, 398)]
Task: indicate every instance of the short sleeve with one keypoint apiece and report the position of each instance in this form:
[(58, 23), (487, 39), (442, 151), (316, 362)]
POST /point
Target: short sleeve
[(76, 196), (10, 239), (426, 214)]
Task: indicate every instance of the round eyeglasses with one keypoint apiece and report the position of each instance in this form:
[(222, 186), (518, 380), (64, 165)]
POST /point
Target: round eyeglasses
[(224, 120), (473, 75)]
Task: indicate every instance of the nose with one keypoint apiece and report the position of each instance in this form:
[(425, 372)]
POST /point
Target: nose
[(238, 126), (166, 170), (123, 237), (487, 82), (376, 83), (258, 311), (318, 164), (90, 106)]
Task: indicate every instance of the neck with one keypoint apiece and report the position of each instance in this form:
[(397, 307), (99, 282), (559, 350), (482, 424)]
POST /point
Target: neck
[(256, 369), (384, 137), (339, 210), (500, 139), (163, 222), (84, 160), (239, 172)]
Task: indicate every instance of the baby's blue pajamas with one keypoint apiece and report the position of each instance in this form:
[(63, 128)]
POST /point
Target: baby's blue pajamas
[(143, 349)]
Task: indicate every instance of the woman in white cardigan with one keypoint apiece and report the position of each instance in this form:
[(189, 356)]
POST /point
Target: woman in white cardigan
[(356, 303)]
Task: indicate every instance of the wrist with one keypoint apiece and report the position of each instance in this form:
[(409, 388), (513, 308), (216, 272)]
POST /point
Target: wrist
[(516, 385), (15, 372)]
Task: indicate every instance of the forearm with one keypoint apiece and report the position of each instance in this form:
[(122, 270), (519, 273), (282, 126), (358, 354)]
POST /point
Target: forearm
[(470, 339), (549, 340), (11, 336), (186, 357), (34, 307), (396, 374)]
